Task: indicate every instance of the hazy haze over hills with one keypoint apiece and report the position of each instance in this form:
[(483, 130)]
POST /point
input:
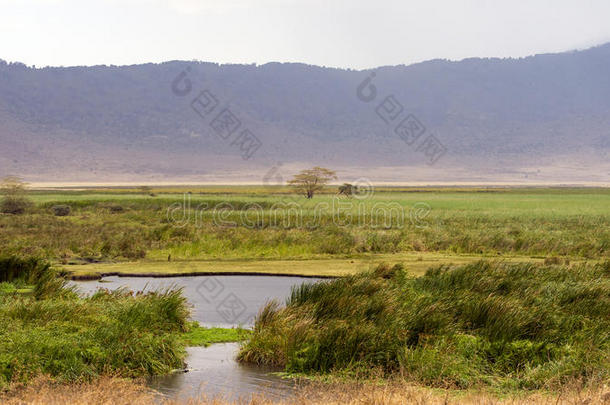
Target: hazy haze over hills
[(544, 118)]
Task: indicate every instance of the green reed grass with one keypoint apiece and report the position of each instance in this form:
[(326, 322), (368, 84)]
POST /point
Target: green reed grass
[(509, 326), (53, 331)]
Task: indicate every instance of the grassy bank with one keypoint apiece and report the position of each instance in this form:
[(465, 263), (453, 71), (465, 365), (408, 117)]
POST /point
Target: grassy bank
[(417, 263), (122, 392), (499, 325), (49, 330), (200, 336)]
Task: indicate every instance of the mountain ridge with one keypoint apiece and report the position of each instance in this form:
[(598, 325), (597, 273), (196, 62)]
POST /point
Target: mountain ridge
[(495, 116)]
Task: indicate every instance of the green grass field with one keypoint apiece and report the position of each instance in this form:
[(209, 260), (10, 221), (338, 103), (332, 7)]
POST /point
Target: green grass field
[(259, 229)]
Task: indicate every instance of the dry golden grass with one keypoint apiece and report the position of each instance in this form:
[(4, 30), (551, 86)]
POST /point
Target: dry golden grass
[(102, 391), (117, 391)]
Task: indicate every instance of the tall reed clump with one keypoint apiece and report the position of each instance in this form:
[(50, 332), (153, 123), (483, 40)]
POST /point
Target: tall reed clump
[(510, 326), (27, 269), (53, 331), (35, 273)]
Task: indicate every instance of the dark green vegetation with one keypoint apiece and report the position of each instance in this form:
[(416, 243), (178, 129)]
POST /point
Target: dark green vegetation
[(508, 326), (48, 329), (14, 200), (119, 225)]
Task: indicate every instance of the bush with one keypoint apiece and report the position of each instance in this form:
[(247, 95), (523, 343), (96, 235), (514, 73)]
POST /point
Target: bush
[(15, 206), (14, 201), (116, 208), (61, 210)]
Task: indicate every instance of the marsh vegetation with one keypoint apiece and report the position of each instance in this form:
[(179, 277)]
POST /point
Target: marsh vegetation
[(509, 326), (123, 225), (532, 316)]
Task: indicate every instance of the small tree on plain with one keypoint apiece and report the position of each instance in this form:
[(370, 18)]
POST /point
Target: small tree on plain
[(348, 189), (14, 200), (147, 190), (310, 181)]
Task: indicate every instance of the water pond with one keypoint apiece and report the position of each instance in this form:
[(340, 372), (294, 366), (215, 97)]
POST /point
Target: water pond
[(222, 301)]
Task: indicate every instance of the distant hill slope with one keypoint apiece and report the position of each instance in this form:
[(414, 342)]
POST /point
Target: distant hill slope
[(544, 117)]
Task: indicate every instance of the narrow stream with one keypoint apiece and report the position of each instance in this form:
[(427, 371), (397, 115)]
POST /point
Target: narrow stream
[(223, 301), (216, 374)]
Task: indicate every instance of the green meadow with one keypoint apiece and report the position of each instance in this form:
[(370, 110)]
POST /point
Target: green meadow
[(247, 228)]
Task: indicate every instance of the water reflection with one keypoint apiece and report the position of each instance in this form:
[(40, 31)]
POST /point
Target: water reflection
[(214, 372), (224, 301)]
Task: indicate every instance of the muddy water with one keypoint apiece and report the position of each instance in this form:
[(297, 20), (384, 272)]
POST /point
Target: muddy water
[(214, 373), (225, 301)]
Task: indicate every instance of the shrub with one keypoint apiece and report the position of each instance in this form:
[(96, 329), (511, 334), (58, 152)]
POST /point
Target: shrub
[(61, 210), (116, 208), (15, 206), (14, 200)]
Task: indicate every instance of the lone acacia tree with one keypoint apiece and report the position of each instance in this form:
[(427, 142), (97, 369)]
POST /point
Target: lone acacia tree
[(309, 181)]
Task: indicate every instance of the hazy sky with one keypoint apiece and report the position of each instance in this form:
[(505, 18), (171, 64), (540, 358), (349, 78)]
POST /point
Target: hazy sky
[(351, 33)]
